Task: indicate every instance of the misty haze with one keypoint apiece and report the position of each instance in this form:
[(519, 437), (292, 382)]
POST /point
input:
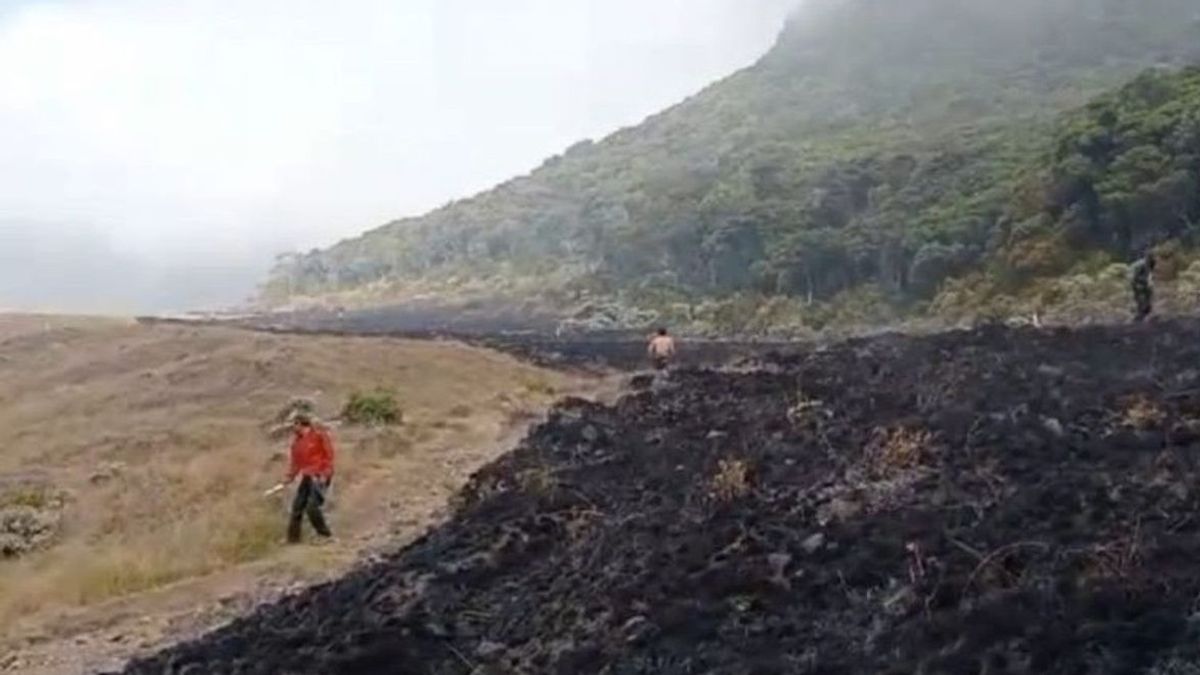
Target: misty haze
[(183, 145)]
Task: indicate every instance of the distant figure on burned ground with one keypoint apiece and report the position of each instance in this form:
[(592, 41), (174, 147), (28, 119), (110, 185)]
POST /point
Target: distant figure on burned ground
[(661, 350), (1142, 283), (311, 461)]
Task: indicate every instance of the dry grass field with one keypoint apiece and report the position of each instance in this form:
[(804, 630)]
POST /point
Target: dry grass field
[(151, 447)]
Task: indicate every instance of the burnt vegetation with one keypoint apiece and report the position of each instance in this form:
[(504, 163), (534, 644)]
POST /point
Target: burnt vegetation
[(990, 501)]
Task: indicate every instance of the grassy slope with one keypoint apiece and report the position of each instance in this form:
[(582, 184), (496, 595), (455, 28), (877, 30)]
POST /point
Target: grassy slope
[(180, 412), (1121, 176), (872, 134)]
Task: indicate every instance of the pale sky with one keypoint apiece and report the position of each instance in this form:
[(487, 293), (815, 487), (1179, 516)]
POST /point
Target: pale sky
[(210, 135)]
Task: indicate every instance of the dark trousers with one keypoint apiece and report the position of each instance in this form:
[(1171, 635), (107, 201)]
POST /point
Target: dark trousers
[(310, 496), (1144, 305)]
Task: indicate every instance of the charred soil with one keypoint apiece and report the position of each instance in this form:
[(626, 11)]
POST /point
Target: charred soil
[(991, 501)]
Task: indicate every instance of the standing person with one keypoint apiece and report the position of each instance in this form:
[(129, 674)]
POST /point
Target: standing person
[(661, 349), (311, 461), (1142, 283)]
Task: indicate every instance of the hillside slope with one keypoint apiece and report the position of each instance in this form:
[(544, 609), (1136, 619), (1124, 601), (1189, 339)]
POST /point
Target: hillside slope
[(993, 501), (875, 147), (150, 447)]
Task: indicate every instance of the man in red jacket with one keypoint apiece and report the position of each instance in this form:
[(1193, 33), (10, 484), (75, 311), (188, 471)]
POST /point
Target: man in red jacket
[(312, 461)]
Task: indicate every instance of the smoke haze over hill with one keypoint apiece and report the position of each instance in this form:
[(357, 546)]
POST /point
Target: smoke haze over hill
[(51, 267), (197, 136)]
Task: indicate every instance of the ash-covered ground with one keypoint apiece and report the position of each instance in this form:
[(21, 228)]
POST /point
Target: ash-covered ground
[(989, 501)]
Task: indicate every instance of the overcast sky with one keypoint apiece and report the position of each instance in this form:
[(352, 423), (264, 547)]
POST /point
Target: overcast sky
[(210, 135)]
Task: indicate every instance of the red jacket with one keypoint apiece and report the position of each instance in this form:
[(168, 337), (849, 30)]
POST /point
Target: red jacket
[(312, 454)]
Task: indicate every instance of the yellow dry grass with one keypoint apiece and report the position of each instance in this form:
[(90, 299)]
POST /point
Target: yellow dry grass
[(1142, 413), (898, 449), (731, 481), (159, 436)]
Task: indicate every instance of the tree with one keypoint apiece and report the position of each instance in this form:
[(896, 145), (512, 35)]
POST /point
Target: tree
[(730, 250), (933, 264)]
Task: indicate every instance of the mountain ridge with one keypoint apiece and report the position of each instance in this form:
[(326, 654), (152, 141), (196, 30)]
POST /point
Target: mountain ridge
[(866, 141)]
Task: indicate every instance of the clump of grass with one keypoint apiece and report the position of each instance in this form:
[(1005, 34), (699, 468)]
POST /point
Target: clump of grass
[(1141, 413), (32, 496), (537, 481), (377, 408), (539, 387), (732, 480), (252, 536), (115, 573), (80, 574), (899, 449), (460, 411)]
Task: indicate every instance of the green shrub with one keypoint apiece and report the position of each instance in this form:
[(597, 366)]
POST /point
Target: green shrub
[(378, 408)]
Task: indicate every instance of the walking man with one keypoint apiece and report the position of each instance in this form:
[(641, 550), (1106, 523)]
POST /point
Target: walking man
[(1142, 284), (312, 462), (661, 349)]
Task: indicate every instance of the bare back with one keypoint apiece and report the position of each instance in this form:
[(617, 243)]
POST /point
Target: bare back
[(662, 346)]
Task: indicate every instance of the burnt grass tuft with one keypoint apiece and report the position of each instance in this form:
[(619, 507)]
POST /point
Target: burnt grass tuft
[(988, 501)]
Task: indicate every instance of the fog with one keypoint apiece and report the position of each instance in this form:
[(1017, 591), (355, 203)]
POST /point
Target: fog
[(158, 155)]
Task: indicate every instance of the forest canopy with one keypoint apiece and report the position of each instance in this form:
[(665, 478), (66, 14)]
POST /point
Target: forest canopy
[(880, 148)]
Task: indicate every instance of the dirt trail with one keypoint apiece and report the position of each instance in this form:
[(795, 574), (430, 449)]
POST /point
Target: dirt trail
[(992, 501), (157, 433)]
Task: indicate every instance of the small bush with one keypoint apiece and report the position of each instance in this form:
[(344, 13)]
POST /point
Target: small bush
[(378, 408), (24, 529), (30, 519)]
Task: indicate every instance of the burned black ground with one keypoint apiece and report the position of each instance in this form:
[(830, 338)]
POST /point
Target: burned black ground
[(610, 350), (992, 501)]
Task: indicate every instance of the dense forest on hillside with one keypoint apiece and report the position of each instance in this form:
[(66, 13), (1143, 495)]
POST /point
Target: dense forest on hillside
[(890, 157)]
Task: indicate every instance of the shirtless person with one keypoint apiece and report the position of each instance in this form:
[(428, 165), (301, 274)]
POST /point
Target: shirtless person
[(661, 349)]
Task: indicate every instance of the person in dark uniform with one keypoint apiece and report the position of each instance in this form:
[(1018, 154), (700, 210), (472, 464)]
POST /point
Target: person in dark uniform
[(1142, 283)]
